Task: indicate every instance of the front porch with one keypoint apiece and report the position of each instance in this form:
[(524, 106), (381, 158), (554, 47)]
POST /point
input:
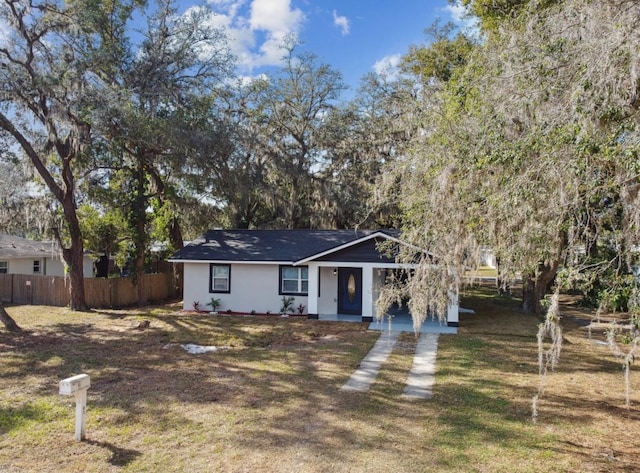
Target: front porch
[(345, 282), (399, 321), (329, 286)]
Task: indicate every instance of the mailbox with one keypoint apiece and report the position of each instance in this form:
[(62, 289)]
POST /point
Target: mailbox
[(78, 386), (75, 384)]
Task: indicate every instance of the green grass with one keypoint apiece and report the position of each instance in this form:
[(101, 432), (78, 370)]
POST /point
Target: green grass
[(270, 401)]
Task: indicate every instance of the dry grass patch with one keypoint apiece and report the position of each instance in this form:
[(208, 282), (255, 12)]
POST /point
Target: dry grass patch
[(271, 401), (483, 272)]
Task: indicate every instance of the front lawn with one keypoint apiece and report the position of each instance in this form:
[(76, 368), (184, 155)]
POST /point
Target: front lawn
[(269, 399)]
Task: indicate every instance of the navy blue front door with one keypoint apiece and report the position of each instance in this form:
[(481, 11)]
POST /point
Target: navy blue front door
[(350, 291)]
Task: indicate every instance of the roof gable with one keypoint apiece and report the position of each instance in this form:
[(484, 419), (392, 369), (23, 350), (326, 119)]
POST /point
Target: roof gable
[(367, 251), (361, 250)]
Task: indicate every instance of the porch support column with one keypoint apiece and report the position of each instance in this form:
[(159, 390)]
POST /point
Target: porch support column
[(367, 294), (312, 299), (453, 308)]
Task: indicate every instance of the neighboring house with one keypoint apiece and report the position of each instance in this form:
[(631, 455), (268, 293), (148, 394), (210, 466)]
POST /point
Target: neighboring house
[(21, 256), (487, 257), (326, 271)]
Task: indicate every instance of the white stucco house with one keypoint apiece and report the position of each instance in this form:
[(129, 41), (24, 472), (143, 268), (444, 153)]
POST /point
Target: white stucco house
[(22, 256), (326, 271)]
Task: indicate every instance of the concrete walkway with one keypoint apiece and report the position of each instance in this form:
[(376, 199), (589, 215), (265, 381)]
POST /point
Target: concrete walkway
[(366, 374), (421, 377), (422, 374)]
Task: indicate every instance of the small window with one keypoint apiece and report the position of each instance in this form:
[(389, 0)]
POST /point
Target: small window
[(4, 267), (220, 278), (294, 280), (36, 266)]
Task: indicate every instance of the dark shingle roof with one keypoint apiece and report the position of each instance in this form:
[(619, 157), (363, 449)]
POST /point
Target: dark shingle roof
[(17, 247), (268, 245)]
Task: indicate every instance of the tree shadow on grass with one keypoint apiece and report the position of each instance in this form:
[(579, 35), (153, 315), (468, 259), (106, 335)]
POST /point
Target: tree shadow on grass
[(280, 388), (119, 456)]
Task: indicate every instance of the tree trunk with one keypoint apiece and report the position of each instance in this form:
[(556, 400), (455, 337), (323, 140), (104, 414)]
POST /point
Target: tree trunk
[(292, 206), (528, 293), (142, 298), (175, 231), (177, 242), (534, 287), (76, 274), (74, 255), (140, 227), (502, 286), (140, 243), (8, 322)]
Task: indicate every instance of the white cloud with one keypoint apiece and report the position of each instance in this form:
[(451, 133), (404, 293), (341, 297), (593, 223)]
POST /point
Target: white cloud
[(276, 20), (257, 28), (275, 16), (341, 22), (229, 7), (457, 11), (388, 66), (248, 80), (461, 15)]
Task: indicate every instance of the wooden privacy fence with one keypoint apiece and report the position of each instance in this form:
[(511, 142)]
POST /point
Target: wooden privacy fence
[(99, 293)]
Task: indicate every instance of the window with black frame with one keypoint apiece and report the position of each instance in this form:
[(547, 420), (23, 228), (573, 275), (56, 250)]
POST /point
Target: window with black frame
[(294, 280), (220, 278)]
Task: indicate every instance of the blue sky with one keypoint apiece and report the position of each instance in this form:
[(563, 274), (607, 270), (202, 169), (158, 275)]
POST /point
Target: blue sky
[(353, 36)]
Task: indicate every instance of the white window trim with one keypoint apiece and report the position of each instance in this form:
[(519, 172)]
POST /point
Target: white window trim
[(299, 280), (211, 278)]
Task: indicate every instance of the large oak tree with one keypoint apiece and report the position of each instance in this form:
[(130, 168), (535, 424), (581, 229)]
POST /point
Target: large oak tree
[(529, 147), (43, 108)]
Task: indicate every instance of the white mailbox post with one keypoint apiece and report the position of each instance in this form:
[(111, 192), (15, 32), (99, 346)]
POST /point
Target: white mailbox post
[(78, 385)]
